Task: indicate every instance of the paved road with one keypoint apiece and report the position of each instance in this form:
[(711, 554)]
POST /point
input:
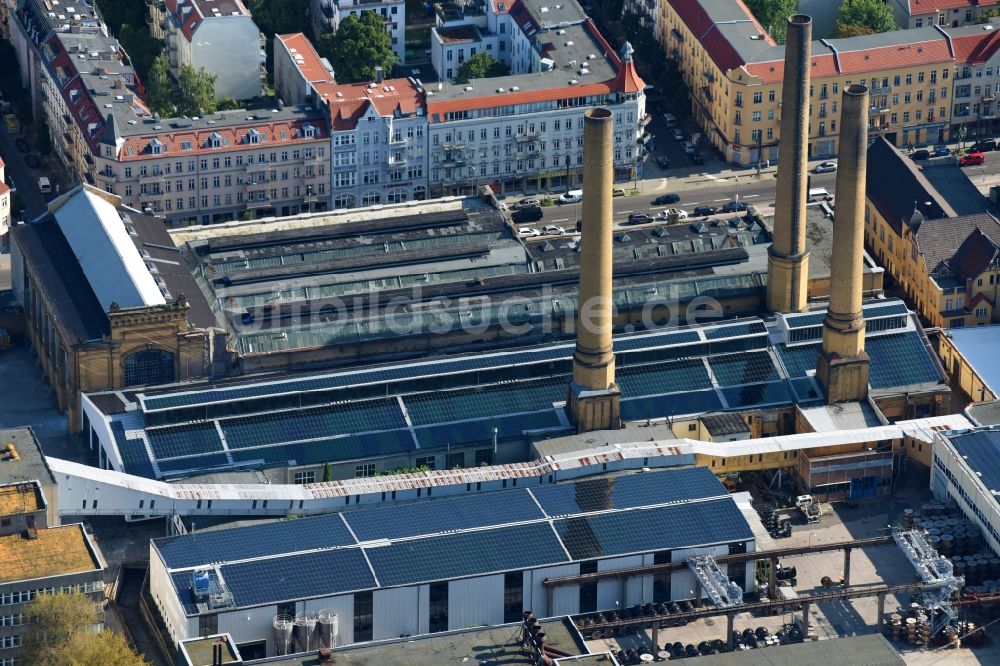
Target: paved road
[(24, 178)]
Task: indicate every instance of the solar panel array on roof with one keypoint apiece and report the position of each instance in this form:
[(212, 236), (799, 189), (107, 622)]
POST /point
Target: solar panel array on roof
[(981, 451), (900, 360), (746, 368), (871, 311), (444, 539), (659, 378), (666, 406), (285, 536), (736, 330), (623, 492)]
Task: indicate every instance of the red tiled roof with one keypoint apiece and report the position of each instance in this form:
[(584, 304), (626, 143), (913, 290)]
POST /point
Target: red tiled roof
[(312, 66), (435, 107), (350, 101), (918, 7), (719, 49), (974, 49), (235, 136), (859, 62), (628, 79)]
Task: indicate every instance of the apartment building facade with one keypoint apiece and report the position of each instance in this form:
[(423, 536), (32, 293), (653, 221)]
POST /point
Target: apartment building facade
[(734, 70), (268, 160), (328, 14), (378, 130), (977, 80), (945, 13), (4, 206), (217, 35)]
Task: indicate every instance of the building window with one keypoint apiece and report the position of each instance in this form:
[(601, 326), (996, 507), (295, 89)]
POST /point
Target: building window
[(208, 625), (981, 312), (588, 590), (484, 457), (363, 616), (661, 581), (455, 460), (305, 477), (361, 471), (426, 461), (513, 596), (149, 366), (438, 607)]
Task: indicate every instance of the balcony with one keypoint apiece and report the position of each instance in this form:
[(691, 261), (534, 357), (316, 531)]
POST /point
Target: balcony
[(453, 147), (884, 90), (398, 142), (401, 161), (259, 203), (258, 167), (527, 136)]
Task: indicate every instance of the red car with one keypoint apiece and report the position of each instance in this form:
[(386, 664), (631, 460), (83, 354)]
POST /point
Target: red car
[(972, 159)]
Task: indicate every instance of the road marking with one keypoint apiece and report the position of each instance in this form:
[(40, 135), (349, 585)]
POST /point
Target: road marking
[(627, 211), (561, 219), (692, 203), (716, 200), (749, 196)]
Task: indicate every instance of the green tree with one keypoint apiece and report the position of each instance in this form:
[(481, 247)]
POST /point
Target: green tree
[(873, 14), (57, 618), (98, 649), (326, 472), (227, 104), (280, 17), (141, 48), (196, 92), (773, 15), (360, 44), (480, 66), (851, 30), (159, 89)]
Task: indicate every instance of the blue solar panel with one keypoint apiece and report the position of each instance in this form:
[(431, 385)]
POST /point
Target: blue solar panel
[(443, 515), (472, 432), (746, 368), (735, 330), (644, 530), (480, 402), (622, 492), (981, 450), (320, 574), (195, 464), (135, 459), (900, 360), (659, 407), (634, 342), (472, 553), (275, 538), (798, 360), (805, 320), (184, 440), (757, 394), (669, 377)]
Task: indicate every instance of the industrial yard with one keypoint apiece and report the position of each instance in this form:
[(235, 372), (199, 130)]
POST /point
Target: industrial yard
[(884, 565)]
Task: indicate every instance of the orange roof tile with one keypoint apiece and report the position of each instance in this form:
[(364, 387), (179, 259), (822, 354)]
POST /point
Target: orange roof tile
[(350, 101), (976, 48), (628, 79), (234, 136), (435, 108), (918, 7), (311, 64)]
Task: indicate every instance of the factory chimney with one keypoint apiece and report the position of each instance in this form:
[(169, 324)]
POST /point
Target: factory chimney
[(842, 367), (594, 401), (788, 261)]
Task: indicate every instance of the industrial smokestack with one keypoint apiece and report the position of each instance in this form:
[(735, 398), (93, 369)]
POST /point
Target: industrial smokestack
[(842, 367), (594, 397), (788, 261)]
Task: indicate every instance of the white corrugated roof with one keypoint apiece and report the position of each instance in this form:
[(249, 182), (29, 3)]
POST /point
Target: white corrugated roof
[(113, 266)]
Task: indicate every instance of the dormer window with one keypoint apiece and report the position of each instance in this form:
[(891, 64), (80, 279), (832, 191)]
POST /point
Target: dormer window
[(185, 145), (215, 140), (253, 136), (309, 131), (157, 147)]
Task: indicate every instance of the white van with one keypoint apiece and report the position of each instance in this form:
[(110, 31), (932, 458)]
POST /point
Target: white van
[(44, 186), (570, 197), (819, 194)]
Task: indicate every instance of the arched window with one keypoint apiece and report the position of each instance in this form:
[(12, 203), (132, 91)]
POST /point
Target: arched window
[(149, 366)]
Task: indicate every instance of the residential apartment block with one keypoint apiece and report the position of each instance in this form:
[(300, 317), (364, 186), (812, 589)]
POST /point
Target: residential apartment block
[(734, 70), (378, 131), (396, 140), (328, 14), (977, 80), (4, 206), (268, 160), (217, 35), (945, 13), (946, 260)]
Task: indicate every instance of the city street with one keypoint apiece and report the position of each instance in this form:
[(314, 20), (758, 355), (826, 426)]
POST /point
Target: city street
[(24, 178)]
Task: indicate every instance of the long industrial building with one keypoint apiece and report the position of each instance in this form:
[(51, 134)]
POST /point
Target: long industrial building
[(447, 564), (463, 411)]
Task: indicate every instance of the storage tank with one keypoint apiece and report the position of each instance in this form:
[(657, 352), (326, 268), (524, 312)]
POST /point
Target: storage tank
[(303, 632), (200, 584), (282, 634), (327, 628)]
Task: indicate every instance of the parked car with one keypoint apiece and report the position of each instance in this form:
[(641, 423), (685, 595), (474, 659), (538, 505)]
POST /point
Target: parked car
[(530, 202), (32, 161), (705, 211), (670, 120), (920, 155), (665, 214), (22, 145), (665, 199), (734, 206), (972, 159), (639, 218), (986, 146), (825, 167), (528, 232), (526, 215), (688, 147), (553, 230), (677, 133), (617, 191), (663, 162), (572, 196), (696, 158), (942, 151)]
